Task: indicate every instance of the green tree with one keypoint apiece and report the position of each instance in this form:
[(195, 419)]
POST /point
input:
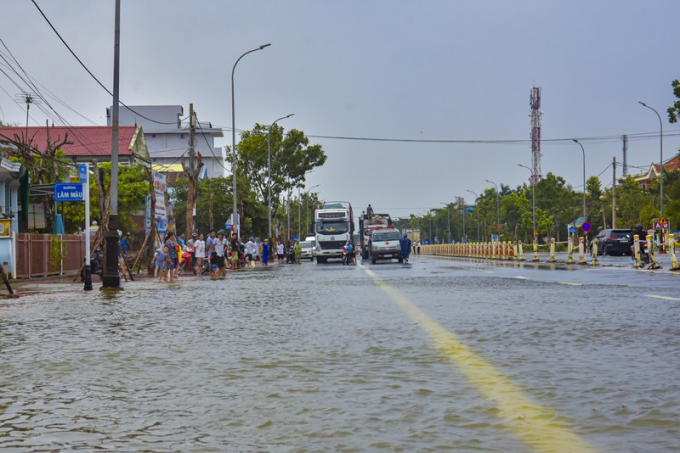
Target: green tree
[(674, 110), (133, 189), (292, 157)]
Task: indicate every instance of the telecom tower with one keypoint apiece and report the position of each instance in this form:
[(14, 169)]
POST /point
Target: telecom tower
[(535, 102)]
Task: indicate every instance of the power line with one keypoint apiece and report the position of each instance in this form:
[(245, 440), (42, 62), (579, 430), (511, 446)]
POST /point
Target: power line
[(219, 160), (88, 70)]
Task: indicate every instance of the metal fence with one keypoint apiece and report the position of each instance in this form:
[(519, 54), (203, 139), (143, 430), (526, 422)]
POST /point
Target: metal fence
[(34, 254)]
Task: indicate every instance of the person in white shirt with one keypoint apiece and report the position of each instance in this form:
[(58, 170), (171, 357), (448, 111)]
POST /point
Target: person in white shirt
[(199, 249), (280, 252)]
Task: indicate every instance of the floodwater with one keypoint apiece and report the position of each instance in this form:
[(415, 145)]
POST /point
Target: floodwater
[(326, 358)]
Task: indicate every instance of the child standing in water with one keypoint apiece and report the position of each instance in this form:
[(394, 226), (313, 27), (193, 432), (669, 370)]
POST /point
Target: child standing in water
[(160, 263), (168, 266)]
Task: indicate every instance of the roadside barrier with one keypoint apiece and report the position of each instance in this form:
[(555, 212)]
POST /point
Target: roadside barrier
[(520, 246), (594, 262), (581, 251), (671, 250), (653, 264), (535, 246)]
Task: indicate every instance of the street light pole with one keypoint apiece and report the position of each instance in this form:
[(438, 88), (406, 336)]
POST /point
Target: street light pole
[(476, 210), (533, 196), (448, 212), (269, 172), (584, 177), (307, 210), (498, 207), (233, 138), (660, 154)]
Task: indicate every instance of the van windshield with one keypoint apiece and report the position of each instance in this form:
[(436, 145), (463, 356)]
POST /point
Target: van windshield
[(389, 236)]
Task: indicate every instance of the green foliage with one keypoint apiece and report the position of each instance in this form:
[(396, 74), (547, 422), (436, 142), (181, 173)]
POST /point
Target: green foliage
[(133, 188), (674, 110), (57, 254), (292, 157)]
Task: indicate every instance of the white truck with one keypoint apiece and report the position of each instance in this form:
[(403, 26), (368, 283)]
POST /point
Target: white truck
[(334, 227), (368, 224)]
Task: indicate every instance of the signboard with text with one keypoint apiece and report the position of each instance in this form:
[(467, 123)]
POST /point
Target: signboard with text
[(69, 192), (160, 186)]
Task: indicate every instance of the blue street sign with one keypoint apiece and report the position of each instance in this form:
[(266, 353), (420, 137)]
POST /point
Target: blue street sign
[(227, 226), (494, 238), (469, 209), (68, 192), (82, 172), (572, 230), (586, 226)]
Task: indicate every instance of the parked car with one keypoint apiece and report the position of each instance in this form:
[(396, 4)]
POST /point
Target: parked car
[(307, 250), (613, 242)]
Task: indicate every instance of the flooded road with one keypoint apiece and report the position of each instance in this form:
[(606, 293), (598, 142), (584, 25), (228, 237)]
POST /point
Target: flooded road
[(439, 354)]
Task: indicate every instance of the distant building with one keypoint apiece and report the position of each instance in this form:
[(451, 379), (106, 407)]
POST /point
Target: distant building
[(167, 137), (646, 178)]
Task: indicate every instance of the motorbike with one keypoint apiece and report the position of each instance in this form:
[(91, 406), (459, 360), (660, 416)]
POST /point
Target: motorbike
[(290, 256), (644, 253), (345, 256), (187, 259), (96, 263)]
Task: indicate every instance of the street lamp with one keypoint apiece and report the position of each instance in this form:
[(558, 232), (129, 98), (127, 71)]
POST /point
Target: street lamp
[(306, 210), (498, 206), (660, 154), (584, 177), (476, 210), (533, 196), (269, 172), (448, 211), (233, 135)]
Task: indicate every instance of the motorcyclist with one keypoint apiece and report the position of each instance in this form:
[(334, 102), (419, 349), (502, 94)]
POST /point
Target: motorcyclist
[(642, 234)]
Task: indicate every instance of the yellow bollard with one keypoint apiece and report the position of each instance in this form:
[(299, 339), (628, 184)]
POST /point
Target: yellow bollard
[(506, 250), (552, 258), (636, 246), (535, 245), (570, 251), (581, 252), (520, 246), (653, 264), (494, 250), (594, 262), (671, 247), (515, 251)]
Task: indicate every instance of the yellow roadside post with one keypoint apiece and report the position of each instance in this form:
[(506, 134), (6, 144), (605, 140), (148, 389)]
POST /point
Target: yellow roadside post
[(570, 250), (581, 252), (594, 262), (515, 251), (653, 264), (636, 245), (520, 246), (552, 258), (535, 245), (671, 247)]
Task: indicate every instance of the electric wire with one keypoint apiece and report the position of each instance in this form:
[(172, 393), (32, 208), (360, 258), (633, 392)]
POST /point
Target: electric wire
[(88, 70)]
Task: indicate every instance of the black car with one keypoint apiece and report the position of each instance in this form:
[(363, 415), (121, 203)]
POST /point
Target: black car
[(613, 242)]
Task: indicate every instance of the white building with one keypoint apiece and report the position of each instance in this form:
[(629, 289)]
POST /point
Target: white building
[(167, 142)]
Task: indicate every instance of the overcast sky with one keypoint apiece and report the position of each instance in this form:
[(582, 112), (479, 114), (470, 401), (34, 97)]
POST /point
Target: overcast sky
[(425, 70)]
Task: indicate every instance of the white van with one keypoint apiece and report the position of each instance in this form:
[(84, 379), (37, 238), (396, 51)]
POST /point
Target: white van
[(384, 245)]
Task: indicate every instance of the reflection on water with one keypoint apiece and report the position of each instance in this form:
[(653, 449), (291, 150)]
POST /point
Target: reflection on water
[(316, 358)]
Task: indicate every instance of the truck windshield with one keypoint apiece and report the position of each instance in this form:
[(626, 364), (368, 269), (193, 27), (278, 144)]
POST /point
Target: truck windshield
[(337, 227), (390, 236)]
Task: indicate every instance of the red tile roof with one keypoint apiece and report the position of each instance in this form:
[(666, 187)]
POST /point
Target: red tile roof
[(85, 140), (670, 165)]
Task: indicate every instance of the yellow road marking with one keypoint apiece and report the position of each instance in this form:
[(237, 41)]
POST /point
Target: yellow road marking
[(662, 297), (571, 284), (538, 426)]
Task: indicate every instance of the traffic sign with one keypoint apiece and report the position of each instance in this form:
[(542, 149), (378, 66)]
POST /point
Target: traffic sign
[(535, 233), (586, 226), (572, 230), (661, 224), (82, 172), (68, 192)]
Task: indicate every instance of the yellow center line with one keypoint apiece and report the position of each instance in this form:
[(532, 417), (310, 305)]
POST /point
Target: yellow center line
[(662, 297), (538, 426), (571, 284)]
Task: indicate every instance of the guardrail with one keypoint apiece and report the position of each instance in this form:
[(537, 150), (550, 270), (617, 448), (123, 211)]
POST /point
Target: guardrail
[(514, 251)]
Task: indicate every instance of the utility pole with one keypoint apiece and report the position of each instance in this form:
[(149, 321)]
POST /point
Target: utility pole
[(614, 195), (110, 276), (299, 215), (191, 173)]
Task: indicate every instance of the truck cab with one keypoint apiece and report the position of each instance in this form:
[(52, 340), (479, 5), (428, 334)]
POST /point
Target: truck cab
[(384, 245)]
